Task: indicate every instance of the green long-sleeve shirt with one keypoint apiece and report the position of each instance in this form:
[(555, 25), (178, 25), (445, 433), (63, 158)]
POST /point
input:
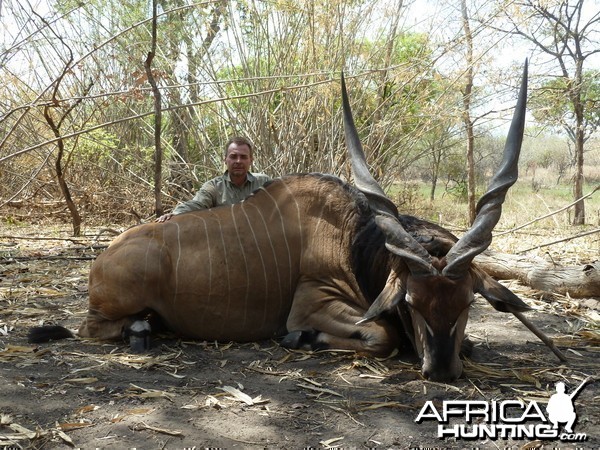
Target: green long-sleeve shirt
[(221, 191)]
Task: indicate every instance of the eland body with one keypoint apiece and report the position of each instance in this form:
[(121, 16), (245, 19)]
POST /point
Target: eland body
[(311, 258)]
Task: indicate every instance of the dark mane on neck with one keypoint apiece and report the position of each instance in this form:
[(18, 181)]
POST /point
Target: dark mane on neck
[(370, 259)]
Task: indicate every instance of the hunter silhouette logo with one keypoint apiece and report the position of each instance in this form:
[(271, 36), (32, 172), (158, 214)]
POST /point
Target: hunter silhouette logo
[(560, 406), (515, 419)]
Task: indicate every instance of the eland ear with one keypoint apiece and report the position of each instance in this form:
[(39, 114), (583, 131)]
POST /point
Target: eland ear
[(402, 244), (391, 295), (499, 296)]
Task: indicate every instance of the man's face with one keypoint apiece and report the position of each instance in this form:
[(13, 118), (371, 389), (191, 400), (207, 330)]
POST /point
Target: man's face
[(238, 160)]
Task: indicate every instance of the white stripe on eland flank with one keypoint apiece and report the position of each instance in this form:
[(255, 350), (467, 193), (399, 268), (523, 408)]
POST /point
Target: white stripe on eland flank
[(227, 274), (208, 247), (287, 187), (262, 261), (285, 238), (147, 257), (237, 232), (177, 263), (163, 247), (272, 249), (316, 233)]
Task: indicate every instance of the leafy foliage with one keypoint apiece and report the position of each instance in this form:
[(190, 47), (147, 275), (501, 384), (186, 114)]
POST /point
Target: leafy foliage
[(267, 70), (551, 103)]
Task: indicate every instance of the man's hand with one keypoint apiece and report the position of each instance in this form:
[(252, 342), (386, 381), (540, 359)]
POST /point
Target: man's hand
[(164, 217)]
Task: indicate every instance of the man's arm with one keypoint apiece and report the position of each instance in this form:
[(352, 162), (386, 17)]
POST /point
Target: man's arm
[(205, 198)]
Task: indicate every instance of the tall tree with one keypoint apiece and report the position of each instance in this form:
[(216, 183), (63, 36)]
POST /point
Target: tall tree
[(268, 70), (468, 122), (158, 153), (567, 31)]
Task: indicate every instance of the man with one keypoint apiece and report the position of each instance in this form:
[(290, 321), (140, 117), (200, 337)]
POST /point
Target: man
[(233, 186), (560, 407)]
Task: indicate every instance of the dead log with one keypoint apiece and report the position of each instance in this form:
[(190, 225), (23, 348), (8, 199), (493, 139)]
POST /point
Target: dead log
[(581, 281)]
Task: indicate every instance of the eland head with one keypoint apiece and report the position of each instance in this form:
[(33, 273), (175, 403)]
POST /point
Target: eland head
[(432, 279)]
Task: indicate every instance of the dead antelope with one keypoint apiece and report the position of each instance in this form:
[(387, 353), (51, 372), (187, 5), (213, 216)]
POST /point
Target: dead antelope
[(309, 257)]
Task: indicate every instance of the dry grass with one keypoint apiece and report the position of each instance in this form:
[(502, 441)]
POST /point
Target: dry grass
[(232, 386)]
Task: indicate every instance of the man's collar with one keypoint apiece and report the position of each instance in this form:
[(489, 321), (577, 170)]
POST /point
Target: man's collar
[(249, 177)]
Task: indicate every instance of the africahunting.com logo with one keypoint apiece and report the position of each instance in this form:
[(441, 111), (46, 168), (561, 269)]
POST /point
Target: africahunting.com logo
[(507, 419)]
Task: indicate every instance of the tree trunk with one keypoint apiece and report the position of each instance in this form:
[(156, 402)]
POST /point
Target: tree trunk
[(562, 31), (576, 281), (467, 113), (158, 207), (435, 171), (60, 175), (579, 217)]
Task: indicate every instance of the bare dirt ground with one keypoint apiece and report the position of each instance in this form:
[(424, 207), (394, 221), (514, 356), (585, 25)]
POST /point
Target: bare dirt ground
[(88, 394)]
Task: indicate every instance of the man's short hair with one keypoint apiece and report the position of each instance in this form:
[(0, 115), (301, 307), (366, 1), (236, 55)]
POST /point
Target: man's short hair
[(238, 140)]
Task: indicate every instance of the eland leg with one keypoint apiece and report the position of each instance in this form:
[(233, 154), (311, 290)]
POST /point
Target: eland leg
[(139, 336), (96, 326), (320, 320), (136, 330)]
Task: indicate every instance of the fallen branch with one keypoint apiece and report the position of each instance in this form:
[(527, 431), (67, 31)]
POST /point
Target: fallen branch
[(545, 339), (144, 426), (12, 259), (80, 240), (582, 281)]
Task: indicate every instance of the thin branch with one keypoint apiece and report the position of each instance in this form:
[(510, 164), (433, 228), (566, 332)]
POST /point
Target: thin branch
[(558, 241), (545, 339), (172, 108), (31, 180), (6, 260), (537, 219)]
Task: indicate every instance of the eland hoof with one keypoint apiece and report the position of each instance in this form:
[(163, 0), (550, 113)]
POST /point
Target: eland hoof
[(139, 336), (466, 348), (300, 339)]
